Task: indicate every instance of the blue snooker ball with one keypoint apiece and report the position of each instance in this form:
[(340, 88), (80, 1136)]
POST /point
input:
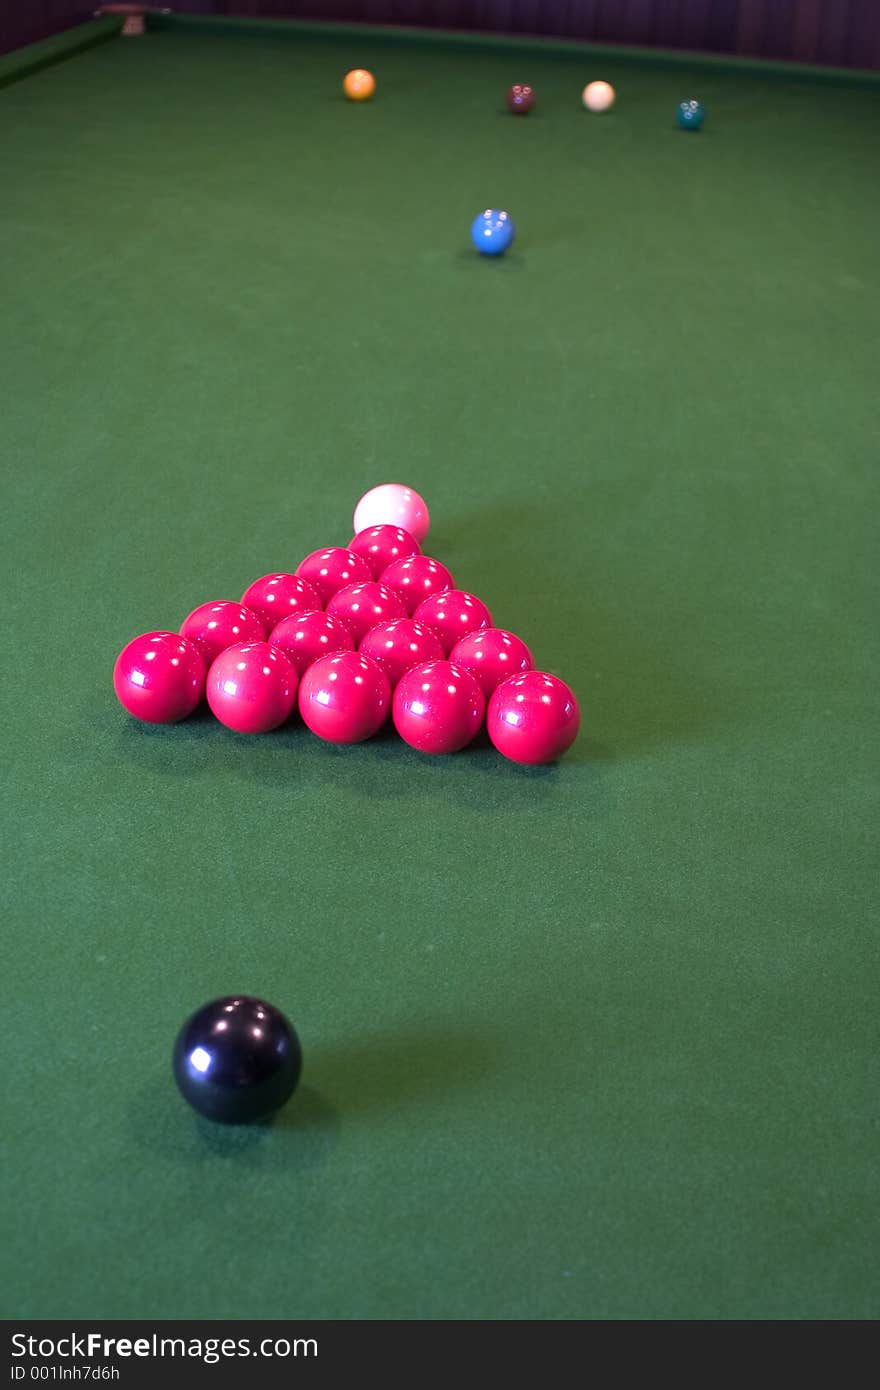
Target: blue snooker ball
[(691, 115), (492, 232)]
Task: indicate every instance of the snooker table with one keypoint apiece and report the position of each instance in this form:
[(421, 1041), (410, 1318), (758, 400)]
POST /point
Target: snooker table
[(591, 1040)]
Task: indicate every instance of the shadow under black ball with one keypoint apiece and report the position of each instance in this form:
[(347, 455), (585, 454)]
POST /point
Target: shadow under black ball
[(237, 1060)]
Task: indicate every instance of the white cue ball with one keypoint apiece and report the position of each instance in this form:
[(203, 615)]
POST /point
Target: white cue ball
[(598, 96), (393, 504)]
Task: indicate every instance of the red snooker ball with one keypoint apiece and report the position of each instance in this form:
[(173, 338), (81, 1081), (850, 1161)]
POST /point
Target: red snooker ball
[(453, 614), (533, 717), (306, 637), (344, 698), (215, 626), (416, 578), (438, 708), (362, 606), (252, 687), (159, 677), (399, 645), (491, 655), (331, 569), (277, 596), (520, 99), (380, 546)]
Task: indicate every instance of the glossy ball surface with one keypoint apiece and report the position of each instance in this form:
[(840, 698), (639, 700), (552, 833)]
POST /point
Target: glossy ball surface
[(492, 232), (277, 596), (359, 84), (520, 99), (306, 637), (344, 698), (362, 606), (399, 645), (215, 626), (598, 96), (380, 546), (331, 569), (491, 655), (417, 578), (690, 115), (438, 708), (533, 717), (453, 614), (237, 1060), (393, 504), (251, 688), (159, 677)]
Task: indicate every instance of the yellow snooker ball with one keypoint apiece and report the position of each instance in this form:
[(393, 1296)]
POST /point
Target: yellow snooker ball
[(359, 85)]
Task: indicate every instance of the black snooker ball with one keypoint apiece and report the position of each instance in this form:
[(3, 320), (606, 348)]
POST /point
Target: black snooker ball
[(237, 1059)]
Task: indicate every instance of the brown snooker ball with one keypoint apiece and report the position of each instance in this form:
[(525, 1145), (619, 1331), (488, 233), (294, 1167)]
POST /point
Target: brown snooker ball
[(520, 99)]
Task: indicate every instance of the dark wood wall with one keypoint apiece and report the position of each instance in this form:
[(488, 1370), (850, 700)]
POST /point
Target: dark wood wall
[(845, 33), (24, 21)]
